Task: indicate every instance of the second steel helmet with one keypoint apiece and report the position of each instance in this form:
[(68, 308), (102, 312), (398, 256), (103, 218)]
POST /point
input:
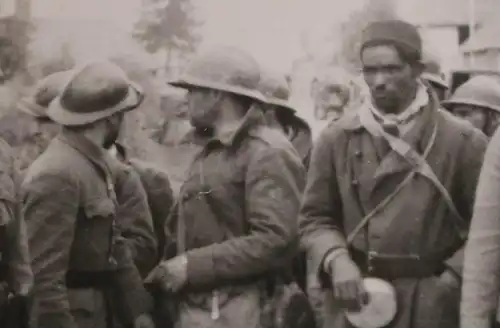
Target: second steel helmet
[(46, 90), (482, 91), (225, 69), (432, 72), (275, 89)]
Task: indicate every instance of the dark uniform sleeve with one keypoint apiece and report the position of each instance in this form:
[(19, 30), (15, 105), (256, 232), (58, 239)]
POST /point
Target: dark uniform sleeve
[(320, 220), (160, 196), (272, 204), (50, 207), (134, 220)]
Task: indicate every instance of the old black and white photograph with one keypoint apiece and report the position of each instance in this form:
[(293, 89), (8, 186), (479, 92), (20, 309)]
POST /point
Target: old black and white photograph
[(249, 164)]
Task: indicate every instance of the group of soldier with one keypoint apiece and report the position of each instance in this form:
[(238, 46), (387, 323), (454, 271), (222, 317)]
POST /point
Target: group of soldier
[(265, 218)]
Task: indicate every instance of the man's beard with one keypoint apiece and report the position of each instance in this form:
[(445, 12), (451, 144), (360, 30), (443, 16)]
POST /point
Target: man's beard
[(111, 137)]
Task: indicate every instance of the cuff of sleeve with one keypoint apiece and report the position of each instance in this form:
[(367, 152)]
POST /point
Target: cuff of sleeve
[(323, 245), (330, 256), (474, 322), (200, 267)]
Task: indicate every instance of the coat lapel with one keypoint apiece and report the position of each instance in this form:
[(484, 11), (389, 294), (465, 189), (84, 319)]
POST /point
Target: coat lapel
[(361, 163), (417, 137)]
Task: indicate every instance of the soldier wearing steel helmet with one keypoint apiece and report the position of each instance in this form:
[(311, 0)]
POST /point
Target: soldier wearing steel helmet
[(237, 210), (135, 217), (478, 102), (280, 114), (433, 75), (33, 110), (80, 259)]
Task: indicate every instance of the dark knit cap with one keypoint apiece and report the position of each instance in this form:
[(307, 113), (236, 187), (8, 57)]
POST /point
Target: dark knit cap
[(397, 32)]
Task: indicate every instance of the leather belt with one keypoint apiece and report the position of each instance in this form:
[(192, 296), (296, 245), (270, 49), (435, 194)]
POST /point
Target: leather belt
[(395, 266)]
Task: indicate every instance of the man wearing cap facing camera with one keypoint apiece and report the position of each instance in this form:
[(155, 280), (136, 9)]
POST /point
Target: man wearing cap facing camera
[(236, 217), (80, 260), (389, 195)]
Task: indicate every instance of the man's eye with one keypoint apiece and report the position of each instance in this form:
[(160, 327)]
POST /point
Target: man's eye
[(393, 69), (369, 70), (385, 70)]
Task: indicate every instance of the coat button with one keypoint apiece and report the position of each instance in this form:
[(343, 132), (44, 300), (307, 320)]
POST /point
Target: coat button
[(355, 182), (357, 153)]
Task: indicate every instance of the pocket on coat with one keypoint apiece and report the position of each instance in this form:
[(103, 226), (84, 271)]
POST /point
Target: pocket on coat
[(99, 207)]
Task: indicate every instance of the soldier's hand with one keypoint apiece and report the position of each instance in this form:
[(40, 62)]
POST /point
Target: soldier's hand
[(144, 321), (347, 283)]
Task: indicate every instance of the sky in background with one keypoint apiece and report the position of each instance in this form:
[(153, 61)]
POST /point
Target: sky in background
[(271, 30)]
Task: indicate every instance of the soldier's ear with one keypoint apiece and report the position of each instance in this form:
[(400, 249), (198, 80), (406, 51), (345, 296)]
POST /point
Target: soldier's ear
[(418, 68), (216, 95)]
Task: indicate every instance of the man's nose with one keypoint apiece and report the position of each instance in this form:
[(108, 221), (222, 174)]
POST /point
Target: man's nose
[(379, 79)]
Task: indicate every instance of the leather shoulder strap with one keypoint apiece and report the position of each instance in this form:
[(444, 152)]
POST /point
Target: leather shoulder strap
[(376, 130), (420, 164)]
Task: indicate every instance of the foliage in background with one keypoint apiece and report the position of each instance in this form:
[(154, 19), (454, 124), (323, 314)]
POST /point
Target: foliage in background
[(170, 26), (372, 11)]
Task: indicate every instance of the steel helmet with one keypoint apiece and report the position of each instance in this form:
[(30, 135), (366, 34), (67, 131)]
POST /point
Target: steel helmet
[(46, 90), (482, 91), (95, 91), (432, 72), (225, 69), (275, 89)]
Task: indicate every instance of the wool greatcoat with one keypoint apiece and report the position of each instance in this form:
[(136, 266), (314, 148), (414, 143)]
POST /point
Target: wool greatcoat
[(80, 260), (351, 171), (239, 208)]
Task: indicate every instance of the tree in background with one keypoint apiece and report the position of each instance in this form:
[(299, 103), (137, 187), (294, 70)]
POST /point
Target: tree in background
[(372, 11), (169, 26)]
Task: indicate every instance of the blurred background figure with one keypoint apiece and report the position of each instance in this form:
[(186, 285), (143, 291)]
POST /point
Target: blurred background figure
[(38, 129), (331, 94), (477, 101), (434, 76), (175, 123)]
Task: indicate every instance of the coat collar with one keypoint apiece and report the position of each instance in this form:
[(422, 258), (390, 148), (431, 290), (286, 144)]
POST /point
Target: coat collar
[(229, 138), (92, 152), (353, 123)]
